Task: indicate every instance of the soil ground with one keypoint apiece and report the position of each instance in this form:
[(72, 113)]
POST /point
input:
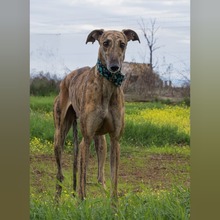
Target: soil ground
[(139, 169)]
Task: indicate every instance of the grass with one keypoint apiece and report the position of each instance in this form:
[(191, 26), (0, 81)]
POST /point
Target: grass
[(42, 104), (146, 205), (157, 124), (153, 175), (146, 124)]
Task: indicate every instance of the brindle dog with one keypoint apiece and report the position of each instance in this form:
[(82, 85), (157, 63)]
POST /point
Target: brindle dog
[(94, 96)]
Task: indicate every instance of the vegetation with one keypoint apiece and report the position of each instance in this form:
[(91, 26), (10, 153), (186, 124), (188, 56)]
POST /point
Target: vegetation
[(146, 205), (154, 167), (44, 84), (144, 85)]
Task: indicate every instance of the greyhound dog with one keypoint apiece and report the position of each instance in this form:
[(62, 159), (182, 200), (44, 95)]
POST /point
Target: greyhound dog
[(94, 96)]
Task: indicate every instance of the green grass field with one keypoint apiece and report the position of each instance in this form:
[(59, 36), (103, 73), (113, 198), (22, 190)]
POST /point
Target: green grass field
[(154, 172)]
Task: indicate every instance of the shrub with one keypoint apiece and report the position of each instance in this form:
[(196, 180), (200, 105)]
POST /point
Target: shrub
[(44, 85)]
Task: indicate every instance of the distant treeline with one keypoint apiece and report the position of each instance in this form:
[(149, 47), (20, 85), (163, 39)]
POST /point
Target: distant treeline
[(44, 84)]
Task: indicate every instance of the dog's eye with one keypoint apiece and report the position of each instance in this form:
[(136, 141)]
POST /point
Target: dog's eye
[(122, 45), (106, 43)]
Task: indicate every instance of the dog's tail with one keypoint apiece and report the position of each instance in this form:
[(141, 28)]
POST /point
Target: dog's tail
[(75, 154)]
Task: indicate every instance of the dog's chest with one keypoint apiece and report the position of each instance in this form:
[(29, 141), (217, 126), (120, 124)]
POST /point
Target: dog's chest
[(106, 124)]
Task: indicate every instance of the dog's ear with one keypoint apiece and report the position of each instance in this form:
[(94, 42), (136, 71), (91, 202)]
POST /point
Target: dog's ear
[(94, 35), (131, 35)]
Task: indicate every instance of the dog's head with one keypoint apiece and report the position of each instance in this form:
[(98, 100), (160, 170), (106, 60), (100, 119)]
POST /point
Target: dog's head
[(112, 46)]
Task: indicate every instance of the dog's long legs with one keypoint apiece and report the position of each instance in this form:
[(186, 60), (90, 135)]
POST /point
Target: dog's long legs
[(75, 154), (83, 162), (61, 129), (58, 143), (101, 149), (114, 163)]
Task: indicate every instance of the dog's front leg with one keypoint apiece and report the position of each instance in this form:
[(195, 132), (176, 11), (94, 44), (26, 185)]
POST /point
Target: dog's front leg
[(83, 160), (114, 163), (101, 149)]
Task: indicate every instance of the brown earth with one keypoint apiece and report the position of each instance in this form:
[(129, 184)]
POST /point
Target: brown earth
[(137, 171)]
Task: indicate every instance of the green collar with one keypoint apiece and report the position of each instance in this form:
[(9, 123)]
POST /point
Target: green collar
[(116, 78)]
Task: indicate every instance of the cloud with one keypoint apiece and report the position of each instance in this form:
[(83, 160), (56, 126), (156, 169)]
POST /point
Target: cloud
[(58, 16), (106, 2), (74, 19)]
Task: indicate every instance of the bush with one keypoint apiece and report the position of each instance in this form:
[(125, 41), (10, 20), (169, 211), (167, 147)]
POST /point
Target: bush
[(186, 101), (44, 85)]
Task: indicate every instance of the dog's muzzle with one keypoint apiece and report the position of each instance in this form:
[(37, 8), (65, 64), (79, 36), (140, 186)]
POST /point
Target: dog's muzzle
[(114, 68)]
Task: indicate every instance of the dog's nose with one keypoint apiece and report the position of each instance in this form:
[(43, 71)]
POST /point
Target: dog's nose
[(114, 68)]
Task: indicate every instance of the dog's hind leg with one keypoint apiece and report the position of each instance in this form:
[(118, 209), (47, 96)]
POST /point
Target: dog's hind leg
[(101, 149), (75, 154), (61, 129), (58, 145)]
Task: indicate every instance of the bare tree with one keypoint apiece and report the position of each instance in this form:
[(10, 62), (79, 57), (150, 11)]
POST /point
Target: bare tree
[(150, 36), (185, 82)]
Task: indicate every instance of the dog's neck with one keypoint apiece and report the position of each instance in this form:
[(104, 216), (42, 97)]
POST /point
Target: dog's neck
[(116, 78)]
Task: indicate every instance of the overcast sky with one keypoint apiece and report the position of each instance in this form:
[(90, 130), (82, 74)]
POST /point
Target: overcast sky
[(68, 22)]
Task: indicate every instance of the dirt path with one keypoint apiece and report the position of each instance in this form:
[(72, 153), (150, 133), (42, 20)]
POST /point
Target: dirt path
[(137, 171)]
